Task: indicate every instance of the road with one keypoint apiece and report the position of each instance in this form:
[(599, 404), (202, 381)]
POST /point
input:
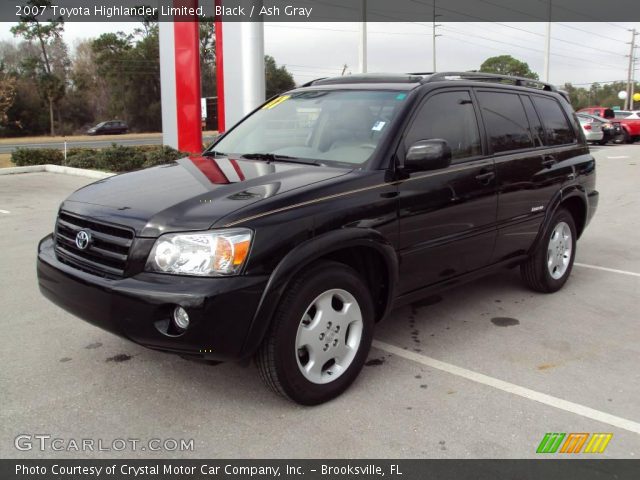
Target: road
[(481, 371), (90, 143)]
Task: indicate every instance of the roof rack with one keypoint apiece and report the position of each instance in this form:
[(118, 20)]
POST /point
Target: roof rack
[(368, 78), (311, 82), (490, 77)]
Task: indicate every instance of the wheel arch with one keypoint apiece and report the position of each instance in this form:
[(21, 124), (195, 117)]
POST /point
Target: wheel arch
[(365, 250), (574, 199)]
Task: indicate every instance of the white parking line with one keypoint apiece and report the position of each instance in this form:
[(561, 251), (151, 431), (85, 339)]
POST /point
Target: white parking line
[(605, 269), (5, 211), (618, 156), (543, 398)]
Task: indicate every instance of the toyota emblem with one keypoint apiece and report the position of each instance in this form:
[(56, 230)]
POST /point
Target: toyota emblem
[(83, 239)]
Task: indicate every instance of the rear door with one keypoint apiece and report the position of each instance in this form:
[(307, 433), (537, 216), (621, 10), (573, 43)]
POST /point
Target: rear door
[(530, 136), (447, 217)]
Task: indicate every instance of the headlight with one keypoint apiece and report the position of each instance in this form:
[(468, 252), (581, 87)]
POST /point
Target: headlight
[(211, 253)]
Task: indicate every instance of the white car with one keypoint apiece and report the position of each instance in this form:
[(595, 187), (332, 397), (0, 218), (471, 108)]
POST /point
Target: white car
[(592, 130), (630, 114)]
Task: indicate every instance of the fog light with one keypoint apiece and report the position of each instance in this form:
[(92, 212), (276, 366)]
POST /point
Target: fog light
[(181, 318)]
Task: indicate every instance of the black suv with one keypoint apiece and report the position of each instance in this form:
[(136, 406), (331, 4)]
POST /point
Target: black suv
[(112, 127), (303, 225)]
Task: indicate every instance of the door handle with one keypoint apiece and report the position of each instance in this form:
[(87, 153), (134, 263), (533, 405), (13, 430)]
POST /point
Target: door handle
[(486, 177), (548, 161)]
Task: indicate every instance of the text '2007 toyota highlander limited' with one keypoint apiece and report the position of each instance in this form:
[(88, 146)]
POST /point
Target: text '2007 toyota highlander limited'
[(301, 227)]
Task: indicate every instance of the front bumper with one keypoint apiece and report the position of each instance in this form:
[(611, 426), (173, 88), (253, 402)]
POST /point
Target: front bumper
[(221, 309)]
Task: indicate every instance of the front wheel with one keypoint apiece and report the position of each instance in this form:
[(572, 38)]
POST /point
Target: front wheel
[(320, 335), (549, 267)]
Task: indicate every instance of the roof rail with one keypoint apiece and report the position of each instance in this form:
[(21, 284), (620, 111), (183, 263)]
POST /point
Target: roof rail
[(490, 77), (311, 82)]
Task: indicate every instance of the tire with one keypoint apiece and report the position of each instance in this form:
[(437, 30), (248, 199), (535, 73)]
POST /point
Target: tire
[(603, 142), (286, 357), (626, 138), (549, 267)]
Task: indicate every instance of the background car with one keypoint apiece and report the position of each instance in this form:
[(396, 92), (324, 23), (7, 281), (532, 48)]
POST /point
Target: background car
[(611, 128), (112, 127), (630, 126), (630, 114), (592, 130)]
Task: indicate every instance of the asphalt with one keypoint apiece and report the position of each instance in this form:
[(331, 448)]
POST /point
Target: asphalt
[(129, 142), (480, 371)]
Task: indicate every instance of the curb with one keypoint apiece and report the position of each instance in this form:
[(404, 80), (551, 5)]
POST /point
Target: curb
[(79, 172)]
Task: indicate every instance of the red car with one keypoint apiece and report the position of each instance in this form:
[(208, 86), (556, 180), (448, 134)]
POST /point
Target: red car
[(630, 127)]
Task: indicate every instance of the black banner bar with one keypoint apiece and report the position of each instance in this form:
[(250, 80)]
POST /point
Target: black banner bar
[(544, 469), (328, 10)]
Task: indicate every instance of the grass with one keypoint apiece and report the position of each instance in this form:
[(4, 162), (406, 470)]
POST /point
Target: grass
[(77, 138), (5, 160)]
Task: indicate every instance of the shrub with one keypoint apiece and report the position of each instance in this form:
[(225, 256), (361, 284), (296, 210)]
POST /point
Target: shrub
[(75, 151), (82, 159), (162, 155), (42, 156), (115, 158), (120, 159)]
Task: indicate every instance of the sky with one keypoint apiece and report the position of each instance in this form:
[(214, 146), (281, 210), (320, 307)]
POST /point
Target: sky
[(581, 53)]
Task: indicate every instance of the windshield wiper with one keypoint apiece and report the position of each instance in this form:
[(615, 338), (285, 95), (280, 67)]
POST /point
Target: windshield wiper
[(213, 153), (273, 157)]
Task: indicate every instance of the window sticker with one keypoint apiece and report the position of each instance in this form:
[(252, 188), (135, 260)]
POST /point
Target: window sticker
[(401, 96), (275, 102), (378, 126)]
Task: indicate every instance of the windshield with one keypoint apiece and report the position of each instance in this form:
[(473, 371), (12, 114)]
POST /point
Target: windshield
[(331, 126)]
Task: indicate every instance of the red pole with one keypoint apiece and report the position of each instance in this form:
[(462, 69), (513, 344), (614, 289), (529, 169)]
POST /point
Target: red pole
[(187, 59), (219, 71)]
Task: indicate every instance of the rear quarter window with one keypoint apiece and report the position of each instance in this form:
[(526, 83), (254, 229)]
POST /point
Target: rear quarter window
[(557, 128)]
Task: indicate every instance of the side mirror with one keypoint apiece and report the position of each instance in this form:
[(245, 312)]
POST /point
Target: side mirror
[(428, 155)]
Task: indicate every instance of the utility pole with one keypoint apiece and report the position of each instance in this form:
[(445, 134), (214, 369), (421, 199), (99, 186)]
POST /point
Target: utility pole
[(547, 46), (629, 100), (633, 83), (362, 51), (435, 25)]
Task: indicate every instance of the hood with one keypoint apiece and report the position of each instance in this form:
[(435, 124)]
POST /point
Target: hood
[(191, 193)]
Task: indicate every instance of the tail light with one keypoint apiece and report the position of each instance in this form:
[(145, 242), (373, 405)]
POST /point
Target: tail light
[(587, 127)]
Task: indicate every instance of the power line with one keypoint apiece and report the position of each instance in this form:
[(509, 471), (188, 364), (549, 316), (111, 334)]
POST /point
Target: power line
[(571, 27), (527, 48), (609, 52), (457, 39)]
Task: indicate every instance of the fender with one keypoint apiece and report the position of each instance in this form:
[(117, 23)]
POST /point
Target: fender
[(568, 191), (303, 255)]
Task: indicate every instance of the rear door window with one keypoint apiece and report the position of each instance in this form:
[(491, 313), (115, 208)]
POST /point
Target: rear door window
[(556, 126), (505, 120)]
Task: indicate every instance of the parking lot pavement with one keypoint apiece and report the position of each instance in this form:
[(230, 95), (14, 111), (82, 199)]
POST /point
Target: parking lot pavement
[(481, 371)]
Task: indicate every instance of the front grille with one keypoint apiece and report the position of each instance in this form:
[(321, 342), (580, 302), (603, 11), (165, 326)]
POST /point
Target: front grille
[(108, 249)]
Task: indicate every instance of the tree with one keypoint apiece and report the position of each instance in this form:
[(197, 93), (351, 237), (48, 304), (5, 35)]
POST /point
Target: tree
[(208, 83), (130, 67), (277, 79), (30, 28), (507, 65), (7, 95)]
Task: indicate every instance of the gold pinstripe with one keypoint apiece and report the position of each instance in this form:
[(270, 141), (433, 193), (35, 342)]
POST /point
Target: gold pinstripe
[(349, 192)]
